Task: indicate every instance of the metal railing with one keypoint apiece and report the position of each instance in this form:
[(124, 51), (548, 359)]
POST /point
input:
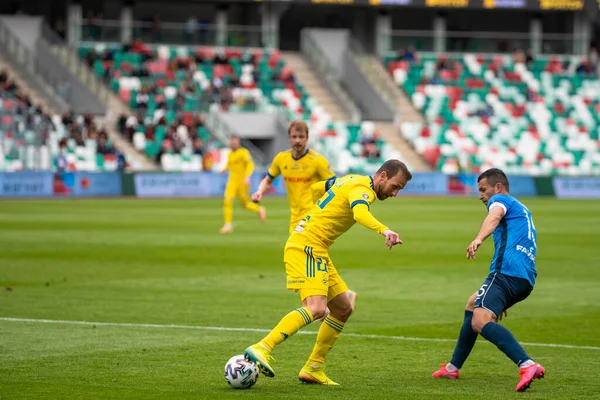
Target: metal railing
[(177, 33), (27, 61), (69, 56), (381, 83), (488, 42), (326, 71), (222, 133)]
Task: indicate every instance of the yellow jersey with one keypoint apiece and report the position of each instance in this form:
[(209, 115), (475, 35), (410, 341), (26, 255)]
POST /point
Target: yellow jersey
[(239, 164), (335, 213), (299, 174)]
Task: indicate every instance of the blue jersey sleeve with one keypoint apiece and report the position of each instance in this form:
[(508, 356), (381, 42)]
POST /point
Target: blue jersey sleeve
[(501, 200)]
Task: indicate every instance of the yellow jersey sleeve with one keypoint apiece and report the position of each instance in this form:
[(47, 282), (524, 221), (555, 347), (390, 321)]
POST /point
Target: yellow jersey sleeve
[(323, 170), (275, 168), (228, 165), (360, 199), (249, 164), (361, 194)]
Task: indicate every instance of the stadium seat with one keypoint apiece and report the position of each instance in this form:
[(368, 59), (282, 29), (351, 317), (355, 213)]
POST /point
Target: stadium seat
[(484, 111)]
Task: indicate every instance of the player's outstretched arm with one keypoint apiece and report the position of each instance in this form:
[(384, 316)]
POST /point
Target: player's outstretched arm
[(264, 185), (490, 223), (363, 216)]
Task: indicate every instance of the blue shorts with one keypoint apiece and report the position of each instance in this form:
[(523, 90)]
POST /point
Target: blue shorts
[(499, 292)]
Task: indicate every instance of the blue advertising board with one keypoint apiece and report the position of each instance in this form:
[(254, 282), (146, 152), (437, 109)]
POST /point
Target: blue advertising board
[(466, 184), (426, 184), (576, 188), (67, 184), (26, 184), (83, 184), (192, 184)]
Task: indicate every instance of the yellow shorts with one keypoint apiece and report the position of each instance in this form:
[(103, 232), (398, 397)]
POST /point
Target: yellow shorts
[(310, 271), (237, 189)]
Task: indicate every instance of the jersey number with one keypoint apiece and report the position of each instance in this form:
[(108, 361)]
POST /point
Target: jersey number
[(327, 199), (530, 226)]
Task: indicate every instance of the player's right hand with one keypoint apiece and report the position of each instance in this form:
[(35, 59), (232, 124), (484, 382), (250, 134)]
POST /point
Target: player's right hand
[(257, 197), (391, 238)]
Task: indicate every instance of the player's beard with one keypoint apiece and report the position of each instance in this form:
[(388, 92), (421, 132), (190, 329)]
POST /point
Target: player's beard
[(379, 193)]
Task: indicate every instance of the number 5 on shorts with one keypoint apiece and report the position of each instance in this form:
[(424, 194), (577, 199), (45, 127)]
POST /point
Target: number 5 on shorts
[(482, 290)]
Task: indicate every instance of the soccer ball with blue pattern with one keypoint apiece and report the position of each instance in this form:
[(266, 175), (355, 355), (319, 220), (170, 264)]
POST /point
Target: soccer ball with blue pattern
[(241, 373)]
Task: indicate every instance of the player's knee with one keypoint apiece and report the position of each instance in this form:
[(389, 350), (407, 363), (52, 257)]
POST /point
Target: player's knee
[(228, 201), (480, 319), (318, 311), (344, 312)]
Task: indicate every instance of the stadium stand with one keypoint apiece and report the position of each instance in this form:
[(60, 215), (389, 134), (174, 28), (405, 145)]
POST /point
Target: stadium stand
[(536, 116), (169, 87), (35, 139)]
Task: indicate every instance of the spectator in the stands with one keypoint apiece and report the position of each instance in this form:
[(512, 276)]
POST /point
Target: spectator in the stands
[(198, 147), (529, 60), (191, 25), (103, 147), (220, 59), (584, 67), (371, 152), (518, 57), (409, 54)]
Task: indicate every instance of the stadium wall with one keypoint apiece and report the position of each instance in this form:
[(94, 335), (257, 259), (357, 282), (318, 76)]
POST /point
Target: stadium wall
[(208, 184)]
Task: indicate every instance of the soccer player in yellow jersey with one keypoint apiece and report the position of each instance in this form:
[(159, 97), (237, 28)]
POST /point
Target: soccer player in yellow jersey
[(240, 167), (311, 272), (301, 167)]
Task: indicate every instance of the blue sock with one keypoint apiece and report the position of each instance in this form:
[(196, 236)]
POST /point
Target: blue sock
[(466, 341), (505, 341)]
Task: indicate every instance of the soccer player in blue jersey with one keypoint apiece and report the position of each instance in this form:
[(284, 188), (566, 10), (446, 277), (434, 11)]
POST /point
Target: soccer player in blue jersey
[(511, 279)]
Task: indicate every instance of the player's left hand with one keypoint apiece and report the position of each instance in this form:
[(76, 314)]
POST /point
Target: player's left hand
[(472, 249), (391, 238), (247, 181)]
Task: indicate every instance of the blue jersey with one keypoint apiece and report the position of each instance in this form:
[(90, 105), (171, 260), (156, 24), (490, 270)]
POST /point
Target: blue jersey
[(514, 240)]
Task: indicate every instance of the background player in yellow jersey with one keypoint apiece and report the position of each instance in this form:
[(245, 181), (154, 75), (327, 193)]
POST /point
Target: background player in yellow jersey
[(240, 167), (311, 272), (301, 167)]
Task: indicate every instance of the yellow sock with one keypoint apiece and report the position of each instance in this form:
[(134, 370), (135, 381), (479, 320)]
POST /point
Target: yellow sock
[(288, 325), (251, 206), (328, 333), (228, 210)]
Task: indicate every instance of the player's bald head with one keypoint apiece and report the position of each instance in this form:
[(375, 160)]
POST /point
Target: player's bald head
[(393, 167)]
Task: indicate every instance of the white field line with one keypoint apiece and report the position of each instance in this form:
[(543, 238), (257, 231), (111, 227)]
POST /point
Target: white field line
[(227, 329)]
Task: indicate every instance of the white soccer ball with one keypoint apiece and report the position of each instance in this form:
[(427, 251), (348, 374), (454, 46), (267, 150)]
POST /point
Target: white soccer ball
[(241, 373)]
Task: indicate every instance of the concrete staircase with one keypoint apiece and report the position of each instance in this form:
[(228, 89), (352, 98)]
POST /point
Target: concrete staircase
[(307, 76), (391, 134), (26, 89), (115, 107), (398, 100)]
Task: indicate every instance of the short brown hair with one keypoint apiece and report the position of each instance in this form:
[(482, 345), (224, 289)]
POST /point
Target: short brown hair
[(299, 125), (392, 167)]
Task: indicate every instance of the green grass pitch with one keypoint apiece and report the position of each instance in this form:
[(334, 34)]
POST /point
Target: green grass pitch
[(139, 265)]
